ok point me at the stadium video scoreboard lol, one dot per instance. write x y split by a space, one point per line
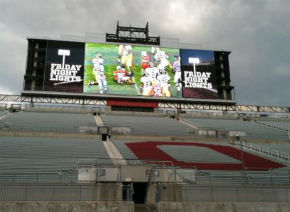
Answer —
126 70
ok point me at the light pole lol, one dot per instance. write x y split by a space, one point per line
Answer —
194 61
63 53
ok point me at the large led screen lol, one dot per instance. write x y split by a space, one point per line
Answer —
131 70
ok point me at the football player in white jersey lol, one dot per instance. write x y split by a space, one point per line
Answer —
126 59
96 66
99 72
162 59
126 56
152 72
177 71
146 85
163 80
157 89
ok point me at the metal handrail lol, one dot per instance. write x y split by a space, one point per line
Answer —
264 150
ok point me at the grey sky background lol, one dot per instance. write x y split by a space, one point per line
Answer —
255 31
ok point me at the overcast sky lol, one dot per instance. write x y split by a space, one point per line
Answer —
255 31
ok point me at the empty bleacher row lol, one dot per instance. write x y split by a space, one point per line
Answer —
148 125
46 121
202 155
278 151
197 154
283 125
43 154
137 124
282 147
214 167
26 155
252 129
38 154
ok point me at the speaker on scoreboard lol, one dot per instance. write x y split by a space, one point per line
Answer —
223 75
36 54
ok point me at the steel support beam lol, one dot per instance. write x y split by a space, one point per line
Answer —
166 105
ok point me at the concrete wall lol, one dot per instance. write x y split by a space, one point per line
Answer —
61 192
223 207
243 198
224 193
66 206
171 192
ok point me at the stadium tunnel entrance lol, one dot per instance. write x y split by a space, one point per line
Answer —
138 192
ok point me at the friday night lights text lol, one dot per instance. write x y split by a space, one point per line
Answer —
66 73
197 81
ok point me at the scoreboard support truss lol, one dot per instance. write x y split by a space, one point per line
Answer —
12 99
51 100
237 108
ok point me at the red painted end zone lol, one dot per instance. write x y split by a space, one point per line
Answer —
149 151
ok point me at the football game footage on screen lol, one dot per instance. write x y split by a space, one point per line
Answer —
130 70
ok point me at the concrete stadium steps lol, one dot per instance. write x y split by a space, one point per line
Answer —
150 125
38 154
253 130
124 150
48 121
3 115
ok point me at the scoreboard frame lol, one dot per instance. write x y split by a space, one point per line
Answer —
34 79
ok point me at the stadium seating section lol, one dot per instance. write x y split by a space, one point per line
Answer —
149 125
253 130
42 154
49 154
47 121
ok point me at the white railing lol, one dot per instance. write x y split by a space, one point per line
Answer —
276 126
264 150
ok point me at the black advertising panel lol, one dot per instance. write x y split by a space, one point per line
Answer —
64 69
198 74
